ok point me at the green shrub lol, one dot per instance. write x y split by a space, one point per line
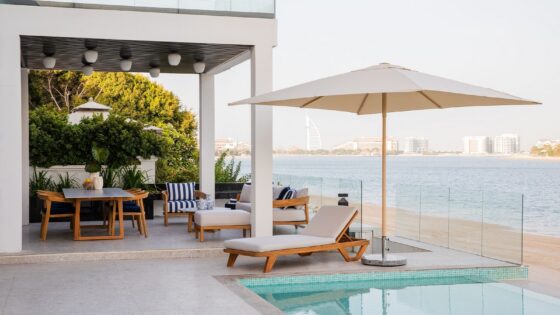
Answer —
132 177
55 142
40 180
228 171
65 181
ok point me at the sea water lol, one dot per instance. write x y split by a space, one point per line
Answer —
500 186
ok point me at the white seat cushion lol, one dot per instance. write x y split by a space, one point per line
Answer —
222 217
278 242
329 221
288 214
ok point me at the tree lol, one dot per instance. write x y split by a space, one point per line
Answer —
131 96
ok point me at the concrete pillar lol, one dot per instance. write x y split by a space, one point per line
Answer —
11 169
25 145
207 134
261 143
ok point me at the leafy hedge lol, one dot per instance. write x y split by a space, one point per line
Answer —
53 141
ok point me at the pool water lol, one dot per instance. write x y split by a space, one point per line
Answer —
449 295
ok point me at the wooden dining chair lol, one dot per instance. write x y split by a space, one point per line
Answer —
54 206
133 207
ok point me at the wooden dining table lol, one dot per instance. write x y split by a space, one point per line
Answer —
106 194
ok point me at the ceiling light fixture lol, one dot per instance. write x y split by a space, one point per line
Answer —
154 72
49 62
91 55
174 59
126 64
199 67
87 69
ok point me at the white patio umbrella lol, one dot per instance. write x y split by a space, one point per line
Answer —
381 89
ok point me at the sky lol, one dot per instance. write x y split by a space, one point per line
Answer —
512 46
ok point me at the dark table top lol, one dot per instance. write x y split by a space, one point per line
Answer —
105 193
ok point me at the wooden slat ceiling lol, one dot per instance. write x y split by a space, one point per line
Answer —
144 54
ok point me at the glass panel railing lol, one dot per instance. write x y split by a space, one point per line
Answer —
408 202
486 223
248 8
502 228
465 220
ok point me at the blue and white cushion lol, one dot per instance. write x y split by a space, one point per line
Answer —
180 191
289 194
181 205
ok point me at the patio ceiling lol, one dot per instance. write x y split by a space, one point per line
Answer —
144 54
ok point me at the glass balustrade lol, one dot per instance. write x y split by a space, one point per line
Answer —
246 8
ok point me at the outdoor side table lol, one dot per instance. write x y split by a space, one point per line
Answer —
106 194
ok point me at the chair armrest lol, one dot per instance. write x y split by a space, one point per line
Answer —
302 201
199 194
165 196
237 197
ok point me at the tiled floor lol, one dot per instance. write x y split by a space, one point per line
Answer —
147 284
171 286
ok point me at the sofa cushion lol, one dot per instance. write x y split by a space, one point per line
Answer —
243 206
245 195
329 221
222 217
181 205
180 191
276 190
277 242
131 206
288 214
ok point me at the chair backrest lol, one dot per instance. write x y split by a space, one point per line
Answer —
180 191
330 221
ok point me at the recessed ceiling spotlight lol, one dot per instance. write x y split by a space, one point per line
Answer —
199 67
126 64
87 69
174 59
154 72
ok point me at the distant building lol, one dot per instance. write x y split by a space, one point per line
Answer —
415 145
550 142
369 145
88 110
225 144
313 136
506 144
477 145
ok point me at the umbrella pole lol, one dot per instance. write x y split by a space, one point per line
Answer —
384 175
383 260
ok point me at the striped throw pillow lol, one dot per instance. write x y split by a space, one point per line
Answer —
180 191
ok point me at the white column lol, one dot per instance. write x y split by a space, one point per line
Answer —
10 143
261 143
25 145
207 134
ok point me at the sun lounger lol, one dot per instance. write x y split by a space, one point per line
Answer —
325 232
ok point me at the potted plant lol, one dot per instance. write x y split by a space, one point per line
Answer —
100 156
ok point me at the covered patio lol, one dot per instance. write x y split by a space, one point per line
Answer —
220 42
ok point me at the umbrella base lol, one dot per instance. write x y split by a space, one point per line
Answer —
388 261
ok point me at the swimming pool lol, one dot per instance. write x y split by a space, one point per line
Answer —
449 292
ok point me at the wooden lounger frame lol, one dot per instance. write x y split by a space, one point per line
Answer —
343 241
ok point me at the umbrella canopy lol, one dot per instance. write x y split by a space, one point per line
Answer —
381 89
361 92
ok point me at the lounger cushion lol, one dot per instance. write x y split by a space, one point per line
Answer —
222 217
278 242
329 221
288 214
